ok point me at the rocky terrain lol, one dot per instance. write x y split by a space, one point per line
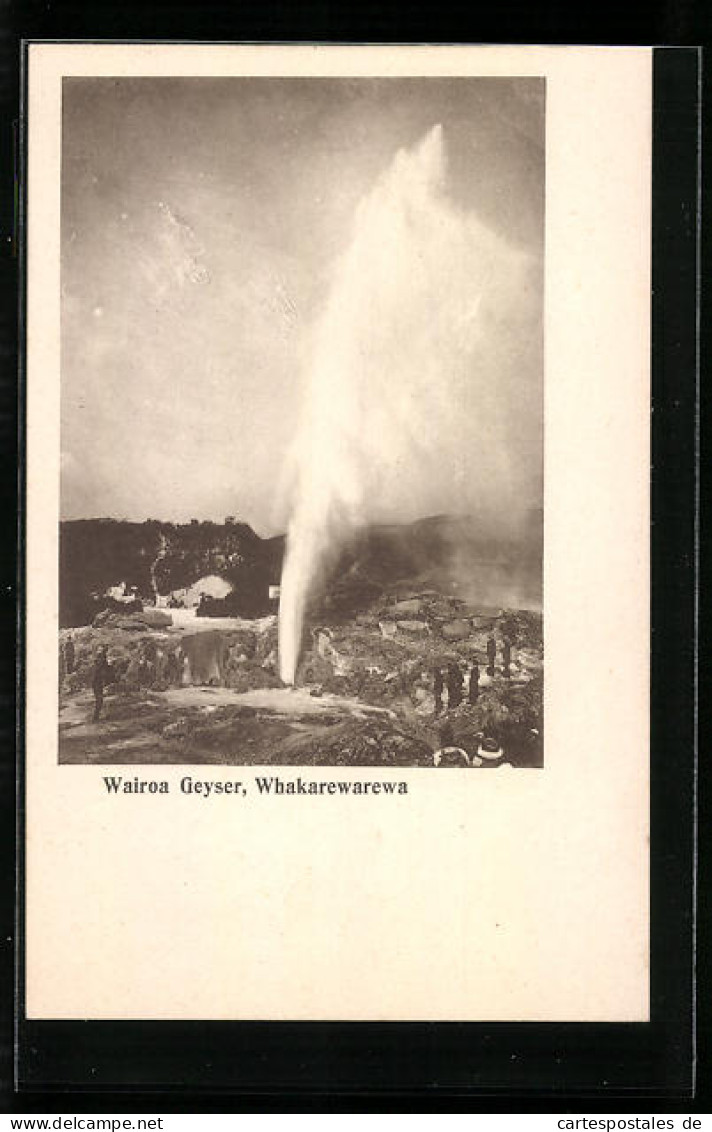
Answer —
202 686
365 695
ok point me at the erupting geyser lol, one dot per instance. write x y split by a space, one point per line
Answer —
411 383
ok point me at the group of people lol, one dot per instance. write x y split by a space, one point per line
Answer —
484 750
159 666
452 680
153 665
102 672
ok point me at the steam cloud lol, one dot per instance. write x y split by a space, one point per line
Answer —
413 400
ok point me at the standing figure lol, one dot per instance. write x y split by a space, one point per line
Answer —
454 685
161 669
69 654
447 737
147 664
438 690
506 657
491 655
173 667
144 678
101 677
473 689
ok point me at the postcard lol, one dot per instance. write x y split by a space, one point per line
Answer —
338 391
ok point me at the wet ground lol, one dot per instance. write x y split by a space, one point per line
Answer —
365 694
266 726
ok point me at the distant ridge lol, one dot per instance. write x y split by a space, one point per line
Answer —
473 552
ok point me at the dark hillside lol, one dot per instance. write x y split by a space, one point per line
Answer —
158 558
460 554
97 553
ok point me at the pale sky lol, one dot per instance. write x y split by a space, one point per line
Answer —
201 221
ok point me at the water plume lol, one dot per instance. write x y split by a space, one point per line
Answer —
412 402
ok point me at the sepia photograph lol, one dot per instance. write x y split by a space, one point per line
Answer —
301 381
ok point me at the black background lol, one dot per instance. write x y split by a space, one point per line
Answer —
262 1067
